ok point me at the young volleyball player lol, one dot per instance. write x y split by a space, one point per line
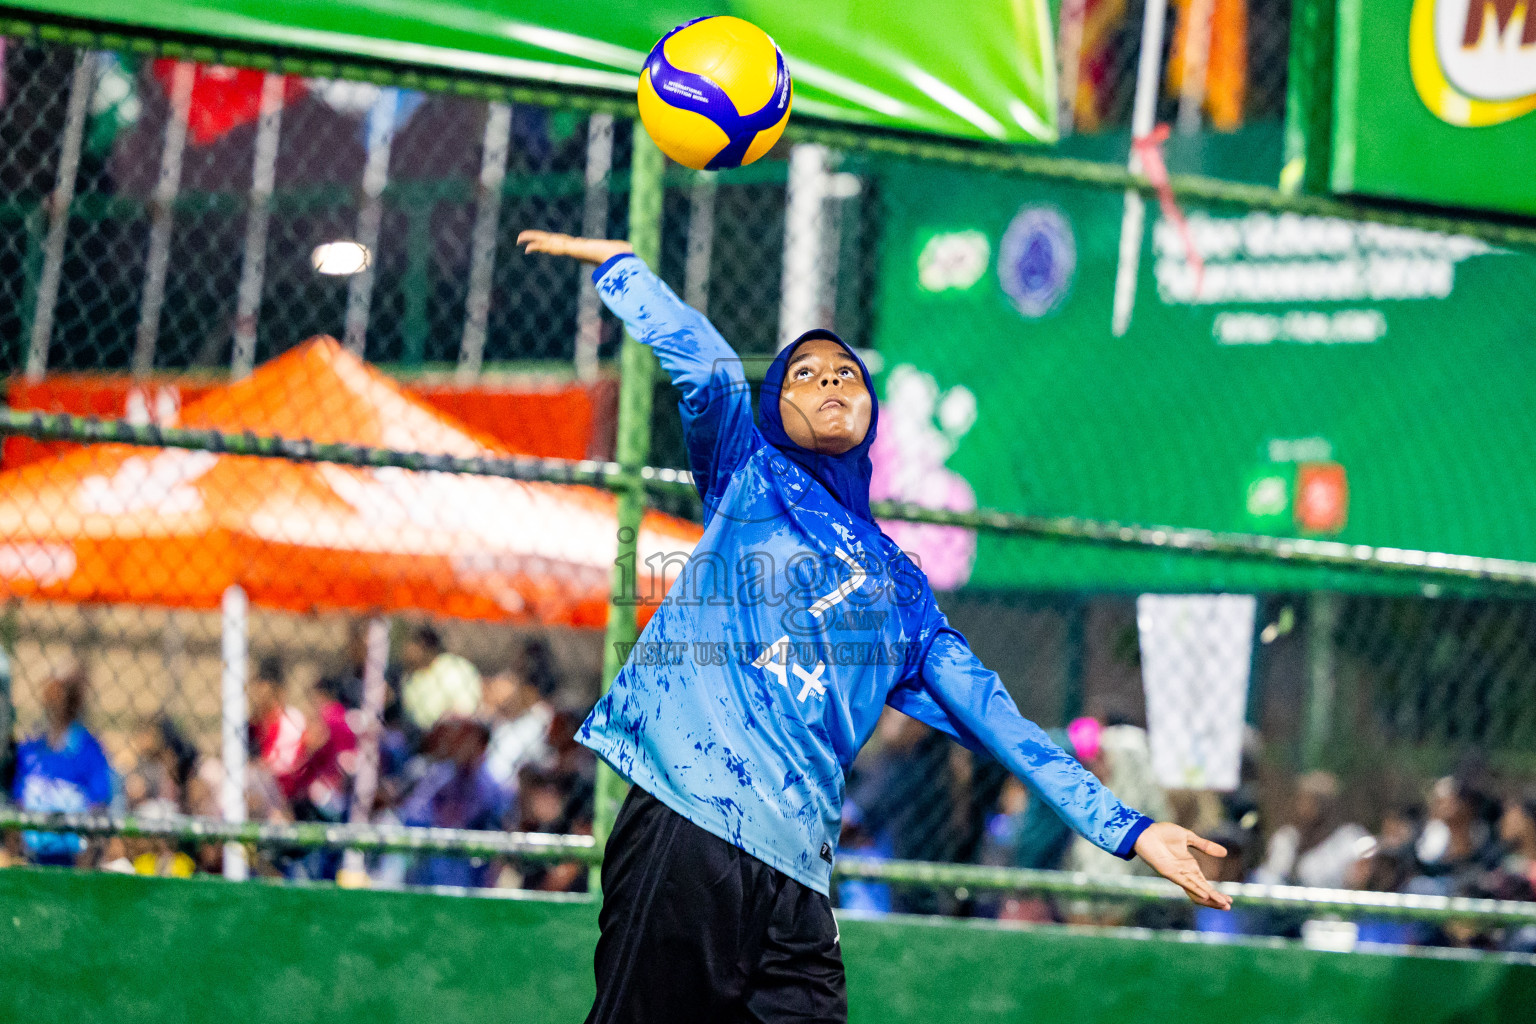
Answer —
795 622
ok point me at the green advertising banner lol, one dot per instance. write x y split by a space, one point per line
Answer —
1435 101
983 69
1315 377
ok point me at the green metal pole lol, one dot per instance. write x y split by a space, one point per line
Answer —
636 366
36 226
1309 98
7 704
1322 686
418 281
1076 660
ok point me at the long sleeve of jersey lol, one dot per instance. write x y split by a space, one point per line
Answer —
716 404
956 694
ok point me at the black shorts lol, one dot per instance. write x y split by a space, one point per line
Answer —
695 931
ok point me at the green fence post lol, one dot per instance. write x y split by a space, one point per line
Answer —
633 444
7 704
1075 661
1318 731
417 283
1309 98
35 224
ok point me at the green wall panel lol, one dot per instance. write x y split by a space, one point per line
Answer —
78 947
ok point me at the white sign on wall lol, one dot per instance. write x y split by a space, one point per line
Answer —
1196 654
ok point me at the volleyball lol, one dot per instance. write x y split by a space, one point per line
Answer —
715 93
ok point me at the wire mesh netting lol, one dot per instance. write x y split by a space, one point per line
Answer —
217 247
236 250
1225 62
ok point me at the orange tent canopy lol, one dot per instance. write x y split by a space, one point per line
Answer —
115 523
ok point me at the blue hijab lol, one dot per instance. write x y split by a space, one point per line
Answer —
847 475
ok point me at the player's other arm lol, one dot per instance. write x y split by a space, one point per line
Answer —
716 402
953 692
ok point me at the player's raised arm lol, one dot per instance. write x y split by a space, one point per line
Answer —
955 693
716 402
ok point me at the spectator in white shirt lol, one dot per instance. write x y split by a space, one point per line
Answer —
517 704
1317 848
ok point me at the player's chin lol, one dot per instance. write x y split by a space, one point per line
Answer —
836 437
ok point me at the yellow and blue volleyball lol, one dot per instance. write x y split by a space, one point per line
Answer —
715 93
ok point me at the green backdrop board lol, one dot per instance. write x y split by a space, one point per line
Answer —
1320 378
983 69
1435 101
80 948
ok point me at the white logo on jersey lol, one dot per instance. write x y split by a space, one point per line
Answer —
848 586
775 659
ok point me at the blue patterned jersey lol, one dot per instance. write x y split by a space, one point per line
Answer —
793 624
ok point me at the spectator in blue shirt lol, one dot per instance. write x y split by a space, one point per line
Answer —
456 792
61 769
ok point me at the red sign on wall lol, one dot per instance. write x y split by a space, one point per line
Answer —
1322 497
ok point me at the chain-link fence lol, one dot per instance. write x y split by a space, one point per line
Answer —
1224 62
232 249
178 235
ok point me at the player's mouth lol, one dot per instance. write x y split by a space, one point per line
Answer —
832 403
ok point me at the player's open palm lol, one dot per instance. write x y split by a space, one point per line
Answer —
589 250
1166 848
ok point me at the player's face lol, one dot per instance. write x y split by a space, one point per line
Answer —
824 403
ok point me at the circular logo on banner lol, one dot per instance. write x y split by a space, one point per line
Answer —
1036 260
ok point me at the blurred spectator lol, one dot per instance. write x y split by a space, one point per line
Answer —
164 761
1316 847
554 786
7 735
397 738
352 681
277 727
202 800
519 717
1400 828
1000 843
1384 867
455 792
864 895
517 704
554 800
318 786
1457 843
159 858
439 683
913 797
1515 877
62 768
1027 833
1013 833
1517 832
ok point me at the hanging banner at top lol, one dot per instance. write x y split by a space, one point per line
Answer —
1435 101
979 70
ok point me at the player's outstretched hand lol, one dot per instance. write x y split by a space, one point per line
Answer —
590 250
1165 847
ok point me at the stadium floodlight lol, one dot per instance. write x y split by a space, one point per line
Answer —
342 258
